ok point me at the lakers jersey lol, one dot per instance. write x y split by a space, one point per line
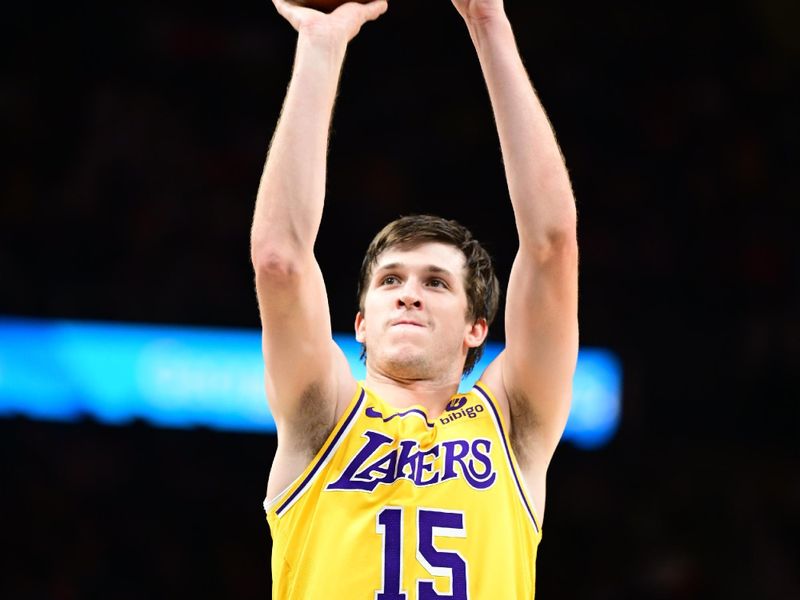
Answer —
399 506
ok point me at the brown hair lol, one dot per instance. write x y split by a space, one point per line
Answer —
480 281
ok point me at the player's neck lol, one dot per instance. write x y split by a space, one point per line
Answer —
431 394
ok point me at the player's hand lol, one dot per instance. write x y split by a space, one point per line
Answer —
339 26
476 11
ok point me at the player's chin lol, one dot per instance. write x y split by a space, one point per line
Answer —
409 363
405 349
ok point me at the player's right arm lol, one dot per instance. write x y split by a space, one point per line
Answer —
307 377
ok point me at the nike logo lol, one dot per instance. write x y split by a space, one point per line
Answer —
374 414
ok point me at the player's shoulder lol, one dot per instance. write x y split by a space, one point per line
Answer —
491 380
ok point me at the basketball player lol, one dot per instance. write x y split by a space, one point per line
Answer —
399 487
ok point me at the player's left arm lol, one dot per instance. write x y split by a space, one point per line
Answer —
533 376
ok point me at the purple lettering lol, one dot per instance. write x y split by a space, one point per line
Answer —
407 458
347 481
371 467
385 467
455 451
422 467
486 478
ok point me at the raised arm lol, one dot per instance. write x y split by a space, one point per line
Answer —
307 377
533 376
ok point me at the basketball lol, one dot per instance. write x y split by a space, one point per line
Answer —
324 5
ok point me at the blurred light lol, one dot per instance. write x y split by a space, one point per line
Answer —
191 376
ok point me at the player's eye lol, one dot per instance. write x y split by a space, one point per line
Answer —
437 283
389 280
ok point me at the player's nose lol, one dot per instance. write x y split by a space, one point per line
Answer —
409 301
409 297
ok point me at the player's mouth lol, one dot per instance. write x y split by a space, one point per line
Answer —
407 322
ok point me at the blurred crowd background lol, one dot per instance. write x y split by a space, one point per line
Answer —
134 137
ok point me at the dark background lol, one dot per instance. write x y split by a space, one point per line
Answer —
135 135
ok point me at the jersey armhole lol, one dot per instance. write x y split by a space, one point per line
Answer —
485 394
286 498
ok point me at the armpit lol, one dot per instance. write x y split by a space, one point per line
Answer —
522 428
313 421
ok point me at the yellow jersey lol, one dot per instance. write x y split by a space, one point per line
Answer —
398 506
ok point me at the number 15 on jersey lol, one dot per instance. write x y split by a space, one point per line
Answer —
430 524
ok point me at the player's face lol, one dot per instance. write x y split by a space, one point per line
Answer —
415 321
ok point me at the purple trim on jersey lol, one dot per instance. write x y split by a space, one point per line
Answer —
374 414
508 454
322 459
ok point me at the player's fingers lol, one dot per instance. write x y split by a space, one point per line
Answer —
367 12
291 12
376 8
282 7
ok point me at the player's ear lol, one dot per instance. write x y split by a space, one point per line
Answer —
360 327
477 332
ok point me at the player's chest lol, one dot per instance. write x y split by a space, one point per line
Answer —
412 451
